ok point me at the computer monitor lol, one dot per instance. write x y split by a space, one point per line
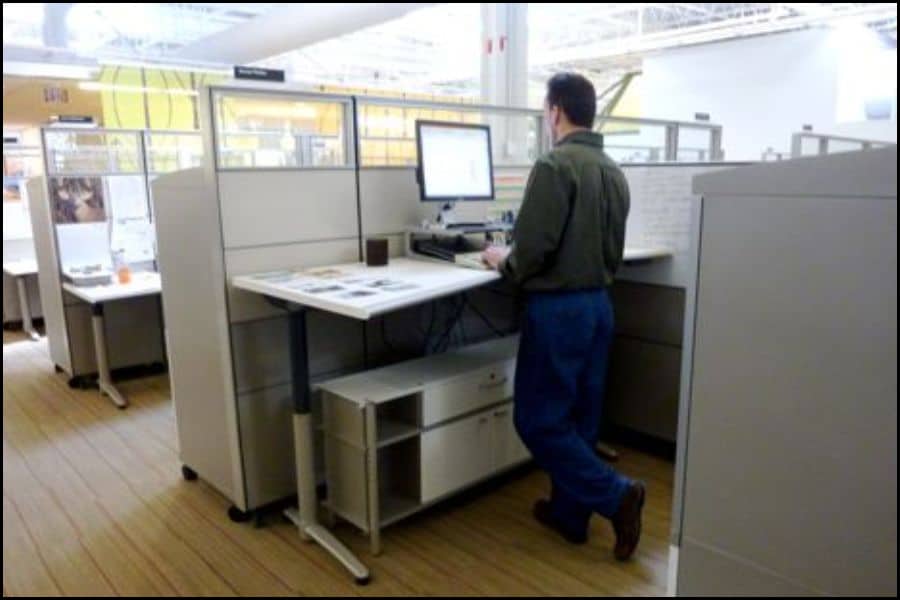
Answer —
454 161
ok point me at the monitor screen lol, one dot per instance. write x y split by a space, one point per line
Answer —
454 161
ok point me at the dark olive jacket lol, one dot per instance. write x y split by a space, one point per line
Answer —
570 232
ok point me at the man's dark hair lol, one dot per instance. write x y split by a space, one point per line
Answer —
575 94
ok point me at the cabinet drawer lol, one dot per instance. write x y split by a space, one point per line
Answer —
462 395
456 455
508 447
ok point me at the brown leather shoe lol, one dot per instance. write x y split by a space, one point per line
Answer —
627 521
544 516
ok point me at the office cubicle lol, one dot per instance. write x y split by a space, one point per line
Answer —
281 187
22 160
93 200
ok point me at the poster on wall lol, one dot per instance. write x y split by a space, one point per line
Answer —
77 200
12 191
13 166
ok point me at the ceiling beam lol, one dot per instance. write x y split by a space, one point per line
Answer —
290 27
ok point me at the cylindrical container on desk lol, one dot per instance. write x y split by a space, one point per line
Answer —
376 252
123 271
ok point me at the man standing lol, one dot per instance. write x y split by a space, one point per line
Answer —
568 243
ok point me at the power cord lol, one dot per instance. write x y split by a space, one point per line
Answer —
486 321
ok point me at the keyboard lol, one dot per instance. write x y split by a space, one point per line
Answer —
464 225
470 260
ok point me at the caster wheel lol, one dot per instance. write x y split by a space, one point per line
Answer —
239 516
75 383
188 473
363 580
57 368
258 521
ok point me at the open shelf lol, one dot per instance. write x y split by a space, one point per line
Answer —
392 432
398 480
396 508
398 419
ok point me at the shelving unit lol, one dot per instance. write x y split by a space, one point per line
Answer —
441 424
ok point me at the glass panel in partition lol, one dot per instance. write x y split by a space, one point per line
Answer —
19 163
260 131
693 144
631 142
93 152
167 152
387 133
836 146
809 146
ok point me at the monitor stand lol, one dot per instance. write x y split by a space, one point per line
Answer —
446 216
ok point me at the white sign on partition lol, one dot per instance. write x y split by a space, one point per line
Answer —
661 200
136 238
127 197
83 244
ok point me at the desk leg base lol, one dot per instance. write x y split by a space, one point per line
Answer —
326 540
25 309
113 394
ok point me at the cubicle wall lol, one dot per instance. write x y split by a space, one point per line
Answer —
288 196
650 301
271 221
790 477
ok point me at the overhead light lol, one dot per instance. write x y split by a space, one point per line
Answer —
181 67
48 70
99 86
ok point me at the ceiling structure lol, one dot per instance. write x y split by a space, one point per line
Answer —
434 50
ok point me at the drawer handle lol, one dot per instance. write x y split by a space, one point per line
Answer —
483 420
493 384
501 413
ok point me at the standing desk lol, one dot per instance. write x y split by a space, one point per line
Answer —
142 284
19 270
360 292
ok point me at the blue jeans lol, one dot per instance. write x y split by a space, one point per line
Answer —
560 378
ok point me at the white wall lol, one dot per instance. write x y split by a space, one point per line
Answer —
761 90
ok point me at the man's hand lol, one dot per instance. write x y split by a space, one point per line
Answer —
494 255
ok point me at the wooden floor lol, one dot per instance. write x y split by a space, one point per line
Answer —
94 504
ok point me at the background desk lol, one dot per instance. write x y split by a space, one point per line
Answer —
19 270
142 284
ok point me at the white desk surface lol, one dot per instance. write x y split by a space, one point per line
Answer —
18 268
142 284
360 292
